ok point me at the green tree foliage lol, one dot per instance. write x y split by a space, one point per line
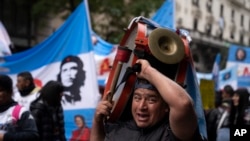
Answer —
110 17
41 8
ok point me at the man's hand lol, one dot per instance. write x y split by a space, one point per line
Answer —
1 136
103 109
144 66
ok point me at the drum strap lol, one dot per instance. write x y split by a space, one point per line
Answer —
127 74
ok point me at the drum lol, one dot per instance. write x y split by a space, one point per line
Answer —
165 49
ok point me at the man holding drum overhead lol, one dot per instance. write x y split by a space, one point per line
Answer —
161 109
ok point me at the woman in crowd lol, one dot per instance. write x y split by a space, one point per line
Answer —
240 103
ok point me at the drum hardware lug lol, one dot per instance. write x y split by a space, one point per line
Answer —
139 53
142 41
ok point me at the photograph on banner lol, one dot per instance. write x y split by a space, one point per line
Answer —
78 88
240 56
228 76
82 131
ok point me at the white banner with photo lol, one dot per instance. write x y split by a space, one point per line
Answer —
240 56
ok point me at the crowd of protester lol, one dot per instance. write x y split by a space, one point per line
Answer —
232 109
33 113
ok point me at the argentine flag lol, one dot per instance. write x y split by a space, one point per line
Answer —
164 16
215 71
71 44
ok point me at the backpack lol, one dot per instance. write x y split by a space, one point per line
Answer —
15 112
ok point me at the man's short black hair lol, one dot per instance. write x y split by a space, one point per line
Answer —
6 83
26 75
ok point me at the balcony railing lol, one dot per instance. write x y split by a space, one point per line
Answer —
241 3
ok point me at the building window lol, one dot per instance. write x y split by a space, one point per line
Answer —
241 38
208 28
209 6
179 22
232 35
195 25
232 15
220 33
195 3
221 10
18 20
249 26
221 27
232 30
242 20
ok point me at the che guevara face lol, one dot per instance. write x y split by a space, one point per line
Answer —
68 73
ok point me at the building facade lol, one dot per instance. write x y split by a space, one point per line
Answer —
213 26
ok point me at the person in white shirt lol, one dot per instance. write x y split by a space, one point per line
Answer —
28 92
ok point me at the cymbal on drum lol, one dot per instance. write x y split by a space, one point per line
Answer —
166 45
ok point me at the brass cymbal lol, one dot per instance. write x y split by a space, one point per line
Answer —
166 45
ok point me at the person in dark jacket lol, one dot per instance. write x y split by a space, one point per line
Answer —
48 112
218 123
16 122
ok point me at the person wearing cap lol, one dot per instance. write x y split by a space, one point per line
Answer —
72 76
161 110
16 122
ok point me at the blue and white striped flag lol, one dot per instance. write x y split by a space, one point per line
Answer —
215 71
72 44
4 41
164 16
